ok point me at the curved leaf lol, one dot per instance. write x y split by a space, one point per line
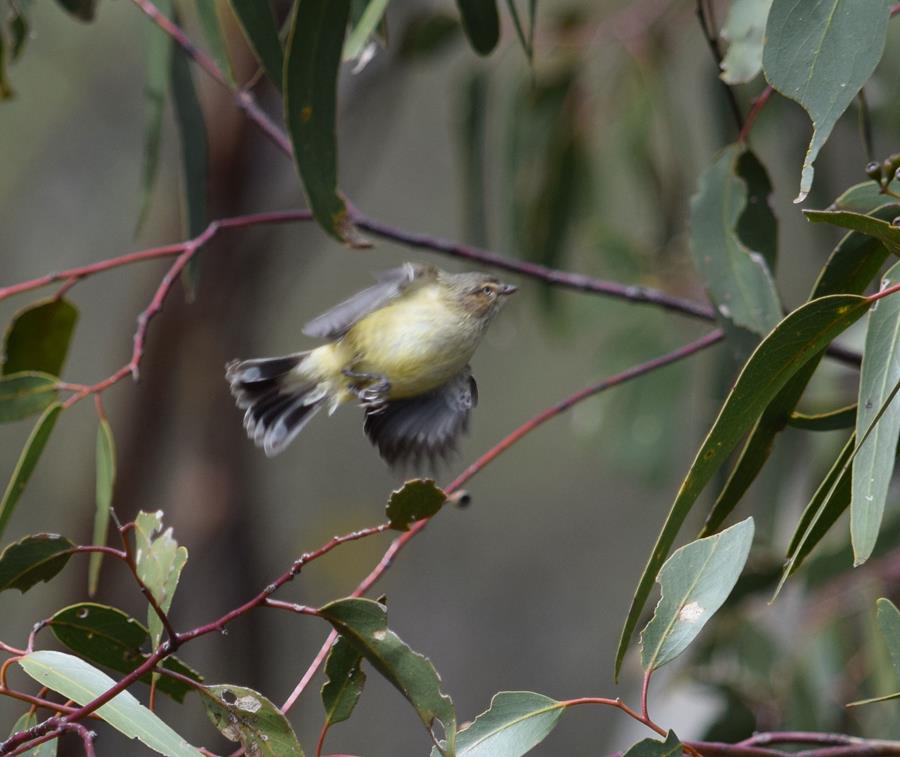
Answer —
415 500
671 747
870 225
105 480
25 394
38 338
159 562
32 559
364 28
258 24
481 22
833 420
815 54
744 30
342 690
82 683
207 12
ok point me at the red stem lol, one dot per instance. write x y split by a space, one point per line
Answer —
645 690
758 104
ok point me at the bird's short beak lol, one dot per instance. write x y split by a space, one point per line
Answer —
508 289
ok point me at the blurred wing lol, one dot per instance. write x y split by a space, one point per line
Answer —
391 284
428 426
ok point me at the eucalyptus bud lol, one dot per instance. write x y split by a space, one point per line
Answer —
874 171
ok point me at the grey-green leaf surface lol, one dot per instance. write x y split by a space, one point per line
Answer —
104 483
32 559
874 462
344 681
819 53
416 500
515 723
159 563
364 624
247 717
311 67
82 683
481 22
797 339
364 29
106 636
257 21
744 30
207 12
27 462
866 197
738 278
869 225
888 617
38 338
671 747
25 394
695 581
24 723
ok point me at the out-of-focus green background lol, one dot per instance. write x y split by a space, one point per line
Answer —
526 588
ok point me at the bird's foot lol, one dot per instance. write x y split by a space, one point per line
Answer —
371 389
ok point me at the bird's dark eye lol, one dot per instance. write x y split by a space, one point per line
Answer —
489 291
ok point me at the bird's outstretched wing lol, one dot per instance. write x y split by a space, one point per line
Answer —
408 430
391 284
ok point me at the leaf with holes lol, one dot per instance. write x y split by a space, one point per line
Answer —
671 747
82 683
105 480
695 582
744 30
38 338
247 717
32 559
344 684
814 56
417 499
159 563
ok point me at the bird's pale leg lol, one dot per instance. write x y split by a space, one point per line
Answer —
371 389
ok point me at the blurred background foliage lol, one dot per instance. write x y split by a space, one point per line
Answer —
586 160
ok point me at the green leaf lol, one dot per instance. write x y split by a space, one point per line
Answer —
6 90
32 559
258 24
874 462
525 38
738 279
28 460
106 636
18 28
417 499
481 22
473 144
24 723
364 29
796 340
744 30
159 562
834 420
814 55
342 690
310 101
695 582
25 394
83 10
515 723
38 338
207 11
889 624
82 683
866 197
671 747
246 716
106 479
427 34
869 225
364 624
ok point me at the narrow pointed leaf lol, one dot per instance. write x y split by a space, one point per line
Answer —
671 747
481 22
870 225
38 338
19 28
77 680
813 55
345 681
744 30
515 723
105 480
246 716
258 24
834 420
33 559
28 460
106 636
874 463
6 90
523 35
364 624
784 352
415 500
207 12
159 563
27 721
314 49
363 30
25 394
695 581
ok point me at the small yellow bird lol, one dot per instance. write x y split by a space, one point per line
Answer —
400 348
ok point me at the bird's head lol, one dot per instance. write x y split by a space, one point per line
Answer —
480 295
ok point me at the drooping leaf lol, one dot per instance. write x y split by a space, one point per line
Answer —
77 680
24 723
314 48
105 480
364 28
38 338
695 581
744 30
738 278
784 352
246 716
345 681
874 463
671 747
515 723
364 624
32 559
813 54
525 36
28 460
869 225
481 22
834 420
415 500
889 624
83 10
18 28
159 562
106 636
258 24
207 12
25 394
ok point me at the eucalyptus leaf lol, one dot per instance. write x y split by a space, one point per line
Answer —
26 394
345 681
833 420
83 10
38 338
889 624
744 30
32 559
671 747
481 22
866 224
105 480
159 562
27 721
258 24
417 499
207 12
361 33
